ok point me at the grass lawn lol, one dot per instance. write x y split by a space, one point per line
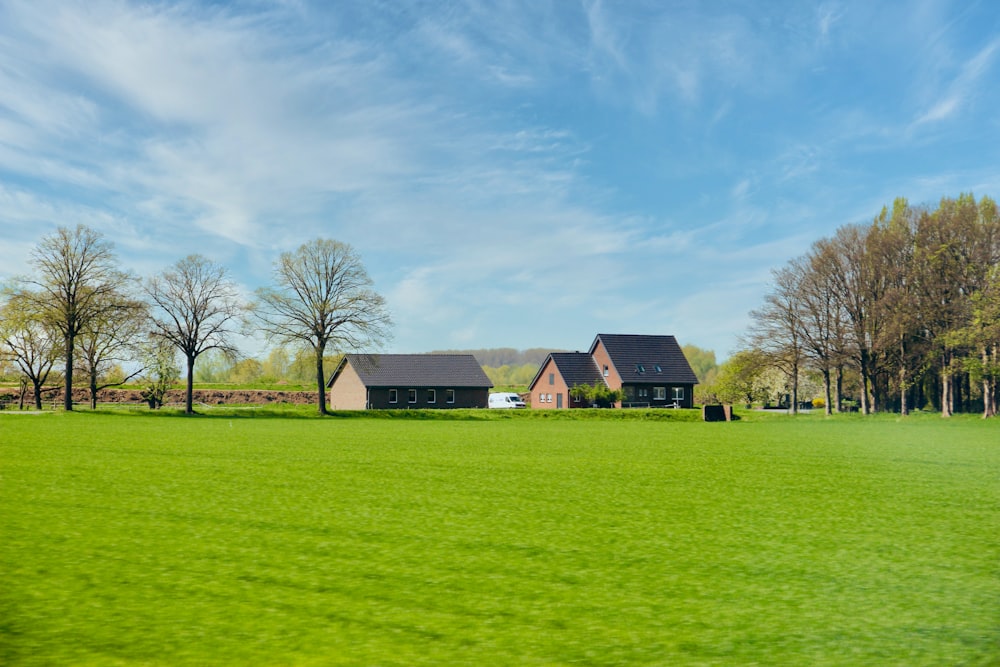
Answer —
128 538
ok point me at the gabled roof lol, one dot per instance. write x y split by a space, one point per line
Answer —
415 370
574 367
647 359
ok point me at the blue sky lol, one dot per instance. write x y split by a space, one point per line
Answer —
513 174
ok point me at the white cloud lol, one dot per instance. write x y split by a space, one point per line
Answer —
965 85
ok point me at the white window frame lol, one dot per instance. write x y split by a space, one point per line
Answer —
393 396
432 396
678 393
412 396
449 395
659 393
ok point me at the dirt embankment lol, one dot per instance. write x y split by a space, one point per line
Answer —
173 397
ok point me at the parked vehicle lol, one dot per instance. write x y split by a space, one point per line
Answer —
505 399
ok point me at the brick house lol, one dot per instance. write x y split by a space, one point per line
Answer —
560 372
652 370
408 381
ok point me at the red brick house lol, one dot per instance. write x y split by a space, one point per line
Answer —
652 370
560 372
408 381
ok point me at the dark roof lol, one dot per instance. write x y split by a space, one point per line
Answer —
647 359
416 370
575 368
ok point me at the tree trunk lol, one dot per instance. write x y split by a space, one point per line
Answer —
189 398
827 393
966 392
989 402
865 380
68 398
946 387
795 389
904 408
93 391
38 394
320 380
840 389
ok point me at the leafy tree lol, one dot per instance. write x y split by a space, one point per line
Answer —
983 335
323 296
31 344
246 371
159 370
702 361
598 394
195 308
213 366
740 378
77 271
277 365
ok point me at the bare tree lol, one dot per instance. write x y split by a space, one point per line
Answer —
776 328
77 270
109 340
323 297
824 323
32 345
195 306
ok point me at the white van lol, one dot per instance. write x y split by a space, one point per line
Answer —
506 400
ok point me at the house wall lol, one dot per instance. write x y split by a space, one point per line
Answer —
633 395
543 389
603 361
469 397
348 392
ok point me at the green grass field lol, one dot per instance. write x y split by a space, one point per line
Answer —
128 538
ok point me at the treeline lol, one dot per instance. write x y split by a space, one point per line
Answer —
79 309
506 367
899 314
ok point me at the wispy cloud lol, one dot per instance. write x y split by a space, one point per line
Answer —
957 94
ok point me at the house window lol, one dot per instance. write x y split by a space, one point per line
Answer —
552 378
548 398
605 370
449 395
640 369
432 395
393 396
659 393
643 392
678 393
659 369
413 395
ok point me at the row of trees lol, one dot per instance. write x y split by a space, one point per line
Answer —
81 308
909 305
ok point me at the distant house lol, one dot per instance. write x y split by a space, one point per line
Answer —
408 381
652 371
560 372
